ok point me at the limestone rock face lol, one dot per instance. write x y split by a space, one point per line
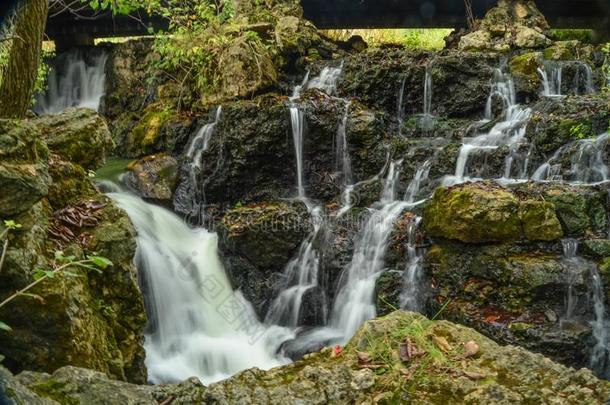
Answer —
89 320
24 177
466 368
79 135
512 24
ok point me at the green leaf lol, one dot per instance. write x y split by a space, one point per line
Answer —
100 261
59 255
5 327
49 274
39 273
10 224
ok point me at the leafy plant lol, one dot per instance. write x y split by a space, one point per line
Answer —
62 266
580 131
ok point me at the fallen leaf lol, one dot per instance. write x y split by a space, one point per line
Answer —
336 351
470 349
363 357
442 343
473 375
408 350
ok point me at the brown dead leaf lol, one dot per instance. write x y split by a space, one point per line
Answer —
473 375
442 343
408 350
363 358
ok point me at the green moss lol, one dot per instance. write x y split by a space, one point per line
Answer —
539 220
526 65
147 132
53 390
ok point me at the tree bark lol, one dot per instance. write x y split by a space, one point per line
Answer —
19 75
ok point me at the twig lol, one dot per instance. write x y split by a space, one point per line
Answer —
4 247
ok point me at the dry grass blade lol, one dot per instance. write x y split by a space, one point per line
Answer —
408 350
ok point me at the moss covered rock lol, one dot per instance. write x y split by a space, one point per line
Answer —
539 220
446 363
473 213
24 177
79 135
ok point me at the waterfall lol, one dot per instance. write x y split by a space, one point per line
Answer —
510 132
600 354
190 195
301 273
297 122
421 176
410 296
77 79
587 162
573 262
584 75
400 113
551 86
198 326
343 163
355 301
300 276
427 117
326 80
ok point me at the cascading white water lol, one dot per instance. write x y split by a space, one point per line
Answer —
600 354
427 117
410 296
198 325
400 112
421 176
508 132
570 247
551 82
190 196
77 80
326 80
587 162
584 75
355 302
343 163
301 274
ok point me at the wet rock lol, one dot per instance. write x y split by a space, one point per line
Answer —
24 177
506 292
251 153
153 177
473 213
387 291
524 69
70 185
266 234
376 76
597 248
539 220
159 129
79 135
294 36
554 122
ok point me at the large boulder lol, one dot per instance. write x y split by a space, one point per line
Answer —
473 213
402 358
79 135
24 177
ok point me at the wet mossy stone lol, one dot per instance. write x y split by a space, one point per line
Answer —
473 213
539 220
153 177
147 132
387 290
597 248
24 177
79 135
571 208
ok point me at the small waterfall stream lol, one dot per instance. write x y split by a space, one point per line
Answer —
76 80
302 272
355 301
198 326
509 132
551 76
190 195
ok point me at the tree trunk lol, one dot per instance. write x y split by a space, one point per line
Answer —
19 75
